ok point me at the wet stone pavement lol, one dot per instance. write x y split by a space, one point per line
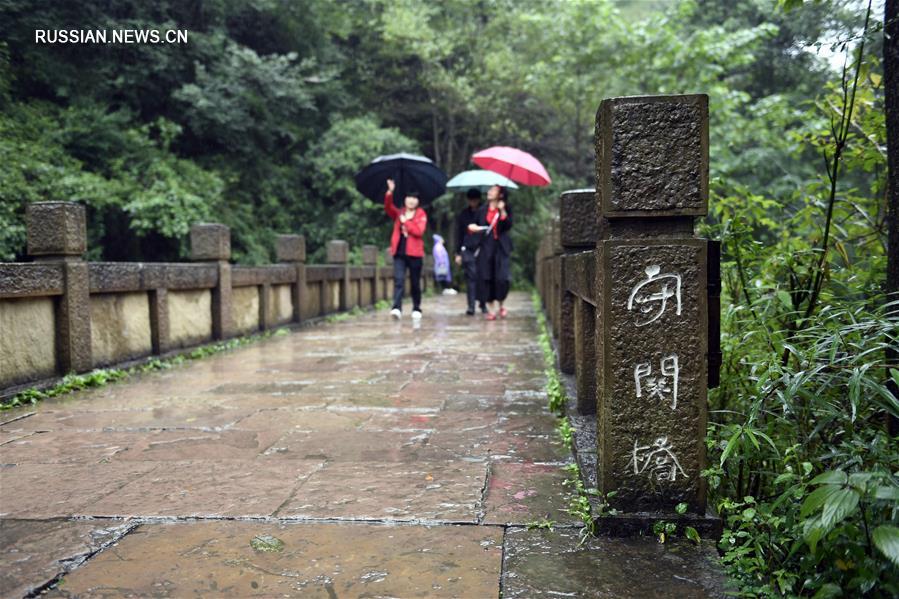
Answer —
359 458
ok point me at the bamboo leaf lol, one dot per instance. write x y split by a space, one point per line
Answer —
731 445
831 477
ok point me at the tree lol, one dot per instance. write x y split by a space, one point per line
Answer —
891 112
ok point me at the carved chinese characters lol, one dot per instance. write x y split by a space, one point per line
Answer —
652 413
662 386
657 460
650 296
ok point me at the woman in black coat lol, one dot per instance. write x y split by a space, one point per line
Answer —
495 253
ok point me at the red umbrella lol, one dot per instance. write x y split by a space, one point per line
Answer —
513 163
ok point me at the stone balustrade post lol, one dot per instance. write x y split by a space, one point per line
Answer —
545 254
555 276
580 230
427 272
388 274
211 242
652 181
338 252
292 250
370 258
57 232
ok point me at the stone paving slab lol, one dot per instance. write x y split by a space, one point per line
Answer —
304 560
8 436
542 563
495 445
527 494
288 420
204 489
60 490
351 446
34 552
392 491
171 417
154 445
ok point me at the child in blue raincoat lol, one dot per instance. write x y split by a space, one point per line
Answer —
443 275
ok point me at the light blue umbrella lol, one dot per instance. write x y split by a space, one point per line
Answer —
483 180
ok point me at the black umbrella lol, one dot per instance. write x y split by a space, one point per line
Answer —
409 172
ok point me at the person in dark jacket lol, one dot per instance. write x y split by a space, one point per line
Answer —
495 251
467 243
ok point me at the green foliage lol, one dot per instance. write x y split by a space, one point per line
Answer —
564 430
136 180
331 163
578 502
804 464
343 316
541 524
555 391
261 120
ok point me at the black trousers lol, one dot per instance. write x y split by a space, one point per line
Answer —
400 264
470 267
494 273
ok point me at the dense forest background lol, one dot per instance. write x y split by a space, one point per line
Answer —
262 118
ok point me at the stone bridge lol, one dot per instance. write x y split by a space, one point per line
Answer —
356 456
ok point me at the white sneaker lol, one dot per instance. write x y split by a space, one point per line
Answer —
416 315
450 291
397 314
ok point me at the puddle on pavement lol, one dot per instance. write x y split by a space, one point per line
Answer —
542 563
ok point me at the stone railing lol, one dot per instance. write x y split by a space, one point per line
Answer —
61 314
632 296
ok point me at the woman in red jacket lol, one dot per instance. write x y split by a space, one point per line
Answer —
407 248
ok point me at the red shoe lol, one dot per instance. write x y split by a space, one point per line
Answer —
490 316
503 312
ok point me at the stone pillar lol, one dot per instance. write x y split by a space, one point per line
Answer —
266 319
159 320
585 356
555 307
652 181
578 232
292 249
370 258
338 252
538 275
57 232
543 282
211 242
388 275
427 272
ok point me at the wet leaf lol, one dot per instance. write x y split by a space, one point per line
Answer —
692 534
828 590
816 499
838 506
886 539
267 544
